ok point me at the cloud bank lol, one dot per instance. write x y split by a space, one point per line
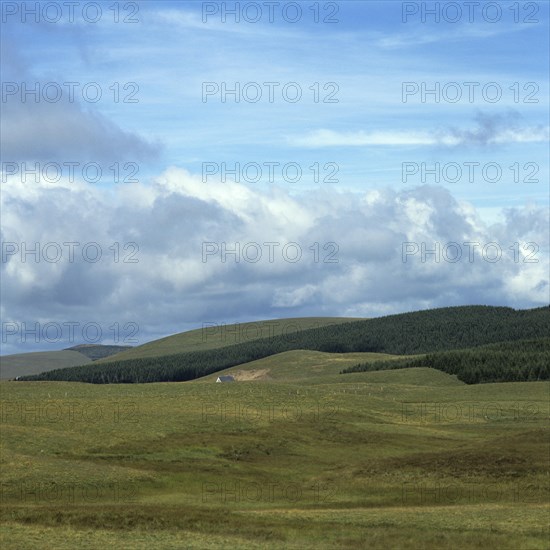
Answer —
354 257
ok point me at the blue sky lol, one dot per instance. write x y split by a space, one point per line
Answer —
170 131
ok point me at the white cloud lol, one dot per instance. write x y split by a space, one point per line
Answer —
453 137
330 138
294 297
420 34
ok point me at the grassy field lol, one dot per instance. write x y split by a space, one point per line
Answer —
213 335
391 459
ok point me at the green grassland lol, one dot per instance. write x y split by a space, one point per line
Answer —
302 458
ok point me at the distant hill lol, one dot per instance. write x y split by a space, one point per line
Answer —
25 364
419 332
97 351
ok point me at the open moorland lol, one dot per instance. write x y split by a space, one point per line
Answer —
293 454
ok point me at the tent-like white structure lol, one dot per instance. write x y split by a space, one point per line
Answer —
227 378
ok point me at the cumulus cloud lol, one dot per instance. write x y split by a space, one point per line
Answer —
324 253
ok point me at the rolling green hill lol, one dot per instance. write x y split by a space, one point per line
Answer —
214 336
317 367
298 365
420 332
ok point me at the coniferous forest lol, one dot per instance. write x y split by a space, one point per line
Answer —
522 360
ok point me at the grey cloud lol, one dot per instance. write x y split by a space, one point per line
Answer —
66 132
489 129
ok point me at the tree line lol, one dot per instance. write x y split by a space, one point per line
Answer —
523 360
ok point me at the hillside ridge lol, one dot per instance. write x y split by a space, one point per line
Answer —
427 331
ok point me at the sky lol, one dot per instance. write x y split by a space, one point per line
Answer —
171 165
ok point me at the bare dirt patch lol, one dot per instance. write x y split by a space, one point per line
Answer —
257 374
